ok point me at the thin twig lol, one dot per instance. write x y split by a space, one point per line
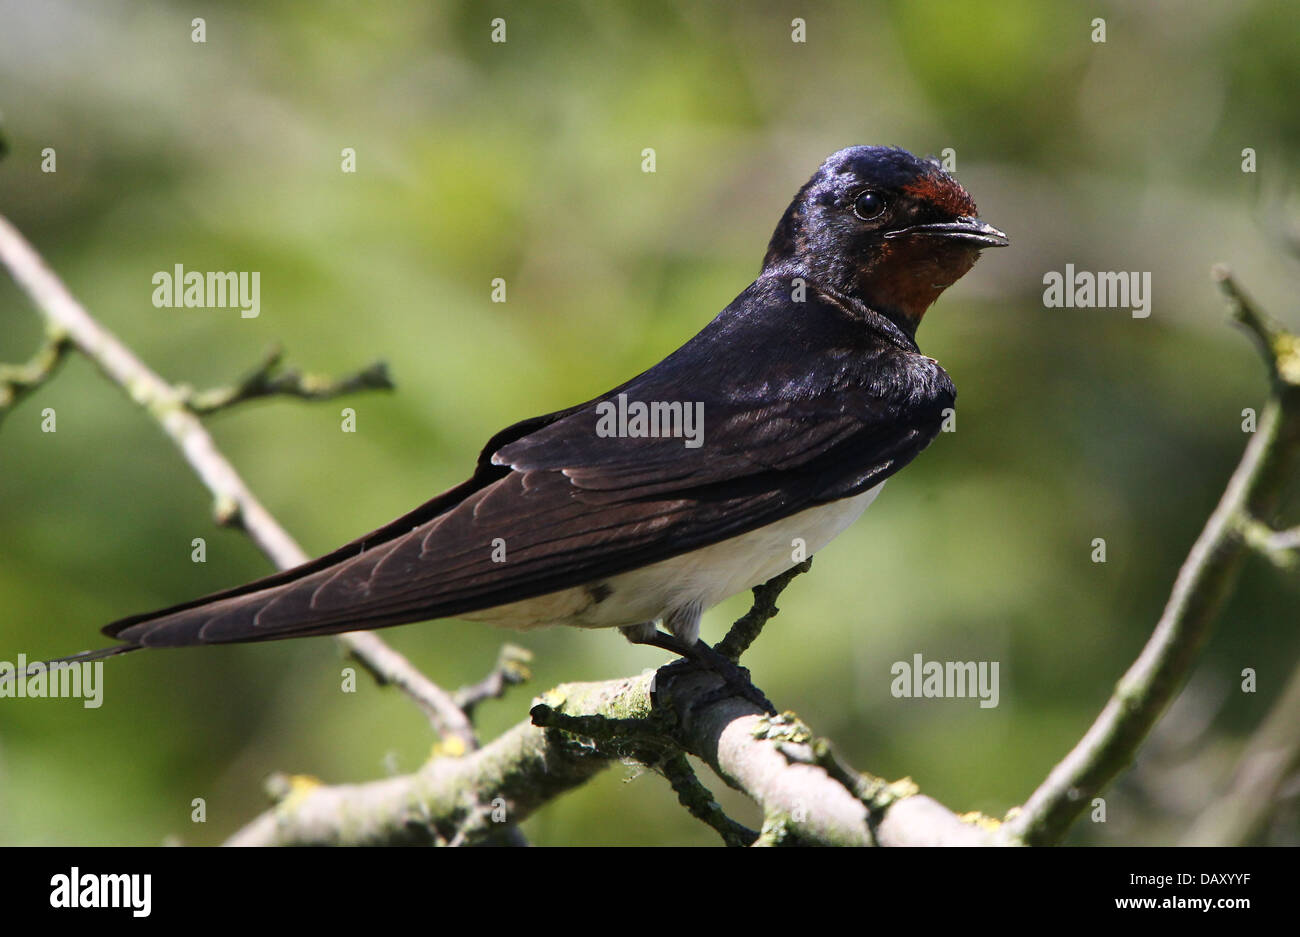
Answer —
19 380
699 802
264 381
234 503
1285 539
1245 313
748 627
1278 547
511 669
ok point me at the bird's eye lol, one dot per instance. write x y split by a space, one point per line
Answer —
870 205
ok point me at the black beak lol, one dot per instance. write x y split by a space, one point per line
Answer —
963 229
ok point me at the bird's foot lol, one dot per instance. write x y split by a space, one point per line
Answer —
735 679
700 656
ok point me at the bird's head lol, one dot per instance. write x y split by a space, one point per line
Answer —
878 224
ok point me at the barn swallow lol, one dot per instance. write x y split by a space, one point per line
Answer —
804 395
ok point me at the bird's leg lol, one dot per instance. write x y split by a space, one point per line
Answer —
700 656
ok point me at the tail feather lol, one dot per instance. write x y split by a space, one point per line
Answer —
9 675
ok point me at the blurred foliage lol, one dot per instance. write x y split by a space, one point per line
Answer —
522 160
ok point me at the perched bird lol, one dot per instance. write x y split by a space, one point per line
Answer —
758 441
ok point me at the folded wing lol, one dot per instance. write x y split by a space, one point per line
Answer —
798 409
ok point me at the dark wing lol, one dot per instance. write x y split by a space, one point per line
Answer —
802 403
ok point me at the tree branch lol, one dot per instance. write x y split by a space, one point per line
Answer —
462 800
577 729
1202 585
234 504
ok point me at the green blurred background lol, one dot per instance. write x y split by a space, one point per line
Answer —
523 160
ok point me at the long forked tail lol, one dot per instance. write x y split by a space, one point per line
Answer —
10 674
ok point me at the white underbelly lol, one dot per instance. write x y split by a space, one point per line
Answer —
705 576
